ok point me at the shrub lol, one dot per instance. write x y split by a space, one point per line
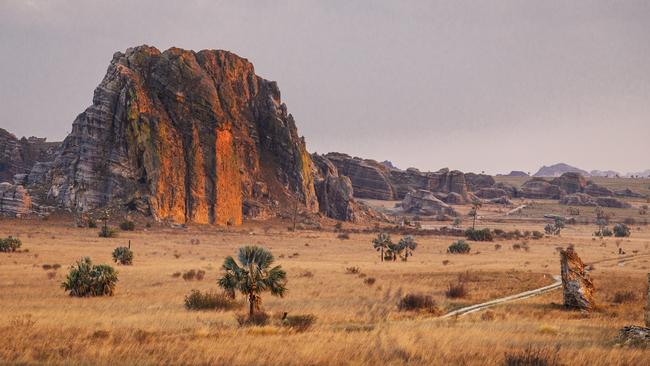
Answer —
497 246
412 302
456 290
532 357
107 232
194 275
123 255
92 224
127 226
621 230
604 232
624 296
479 234
10 244
459 247
299 323
353 270
343 236
369 281
258 318
198 300
537 234
87 279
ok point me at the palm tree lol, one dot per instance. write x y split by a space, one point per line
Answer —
394 250
252 276
476 204
382 243
407 243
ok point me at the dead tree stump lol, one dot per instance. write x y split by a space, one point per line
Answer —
576 282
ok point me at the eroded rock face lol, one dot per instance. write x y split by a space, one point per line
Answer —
423 202
628 193
18 156
578 199
334 192
185 136
490 193
478 181
576 282
596 190
570 182
369 178
612 202
14 200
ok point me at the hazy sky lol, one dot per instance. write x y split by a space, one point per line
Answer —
472 85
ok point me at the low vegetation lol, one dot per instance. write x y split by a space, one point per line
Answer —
87 279
123 256
10 244
556 227
107 232
621 230
198 300
479 234
459 247
417 302
127 225
456 290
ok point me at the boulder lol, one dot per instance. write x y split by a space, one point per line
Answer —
478 181
501 201
596 190
453 198
539 188
571 182
423 202
633 335
490 193
628 193
612 202
578 289
512 190
14 200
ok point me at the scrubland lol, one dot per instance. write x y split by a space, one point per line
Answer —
357 322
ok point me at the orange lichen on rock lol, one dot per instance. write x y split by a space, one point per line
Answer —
228 194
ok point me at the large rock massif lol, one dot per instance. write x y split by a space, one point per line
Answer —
18 156
185 137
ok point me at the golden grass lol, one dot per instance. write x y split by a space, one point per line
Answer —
145 323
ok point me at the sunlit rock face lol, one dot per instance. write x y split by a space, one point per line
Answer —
183 136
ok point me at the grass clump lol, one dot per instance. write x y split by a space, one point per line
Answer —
459 247
479 234
127 225
10 244
456 290
194 275
257 319
198 300
419 302
353 270
107 232
532 357
87 279
298 323
623 297
123 255
621 230
92 224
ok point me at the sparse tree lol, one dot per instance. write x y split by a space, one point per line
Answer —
381 243
253 276
408 245
473 213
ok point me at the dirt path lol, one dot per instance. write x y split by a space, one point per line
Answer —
531 293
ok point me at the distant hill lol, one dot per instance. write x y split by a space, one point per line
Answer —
605 173
643 174
514 173
556 170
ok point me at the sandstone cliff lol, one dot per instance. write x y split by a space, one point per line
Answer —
183 136
18 156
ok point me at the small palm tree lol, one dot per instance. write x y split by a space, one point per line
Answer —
407 244
382 243
476 204
394 250
252 276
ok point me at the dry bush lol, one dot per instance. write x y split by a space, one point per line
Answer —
194 275
198 300
412 302
369 281
298 323
176 274
456 290
352 270
624 296
258 319
107 232
532 357
343 236
445 262
127 226
10 244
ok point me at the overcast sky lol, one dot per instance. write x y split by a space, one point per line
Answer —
473 85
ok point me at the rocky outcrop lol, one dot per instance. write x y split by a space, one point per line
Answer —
334 192
570 182
184 136
596 190
423 202
633 335
14 200
18 156
501 201
514 173
576 283
478 181
578 199
369 178
509 188
612 202
539 188
628 193
490 193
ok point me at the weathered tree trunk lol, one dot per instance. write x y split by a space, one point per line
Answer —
576 283
251 301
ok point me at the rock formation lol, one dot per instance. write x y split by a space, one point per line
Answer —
576 282
539 188
184 136
18 156
370 179
478 181
628 193
423 202
570 182
578 199
490 193
334 191
596 190
557 170
14 200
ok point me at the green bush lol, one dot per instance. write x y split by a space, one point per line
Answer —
127 226
10 244
621 230
123 255
479 234
198 300
107 232
87 279
459 247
